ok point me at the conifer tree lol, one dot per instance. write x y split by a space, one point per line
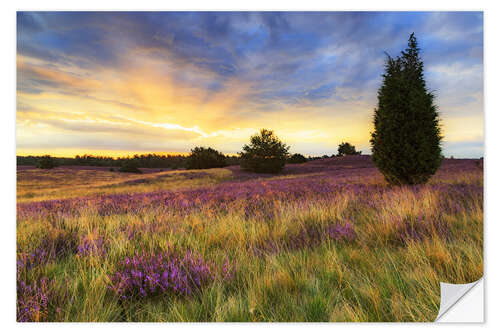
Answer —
406 142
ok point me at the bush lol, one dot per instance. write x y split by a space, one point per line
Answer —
46 162
345 148
130 165
205 158
297 159
406 143
265 154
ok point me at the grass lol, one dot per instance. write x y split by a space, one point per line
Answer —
65 182
286 267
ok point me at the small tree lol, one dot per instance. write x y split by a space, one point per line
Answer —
130 165
265 154
345 148
406 142
297 159
205 158
46 162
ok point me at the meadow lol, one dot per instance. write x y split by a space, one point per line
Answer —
327 240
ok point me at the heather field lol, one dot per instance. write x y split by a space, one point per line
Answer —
328 240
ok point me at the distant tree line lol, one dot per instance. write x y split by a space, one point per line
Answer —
345 148
138 161
265 154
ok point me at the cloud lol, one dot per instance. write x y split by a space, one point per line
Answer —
200 73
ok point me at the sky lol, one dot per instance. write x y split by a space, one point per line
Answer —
119 83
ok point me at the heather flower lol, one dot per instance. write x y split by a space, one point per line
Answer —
129 230
258 196
53 246
341 232
163 273
418 229
36 301
60 243
312 235
259 208
28 261
315 180
228 270
309 236
92 245
133 230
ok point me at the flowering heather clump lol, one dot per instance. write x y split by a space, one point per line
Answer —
220 198
34 301
341 232
133 230
60 243
310 236
38 257
320 223
130 231
228 271
53 246
168 272
260 208
416 230
92 245
227 195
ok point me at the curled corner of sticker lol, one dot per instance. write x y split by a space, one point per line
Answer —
451 294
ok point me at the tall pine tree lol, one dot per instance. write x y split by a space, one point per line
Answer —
406 142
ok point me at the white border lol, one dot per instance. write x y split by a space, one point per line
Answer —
7 164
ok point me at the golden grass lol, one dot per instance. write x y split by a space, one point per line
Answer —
63 183
370 279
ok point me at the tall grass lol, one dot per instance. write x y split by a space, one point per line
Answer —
274 236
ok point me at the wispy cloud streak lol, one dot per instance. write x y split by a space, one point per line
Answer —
213 78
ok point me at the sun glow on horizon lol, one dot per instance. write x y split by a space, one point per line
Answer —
151 82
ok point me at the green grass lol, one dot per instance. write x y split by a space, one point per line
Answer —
370 279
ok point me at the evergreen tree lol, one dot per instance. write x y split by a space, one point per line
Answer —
406 142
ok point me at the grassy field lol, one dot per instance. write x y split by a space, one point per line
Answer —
327 240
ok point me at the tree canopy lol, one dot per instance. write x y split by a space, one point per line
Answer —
406 141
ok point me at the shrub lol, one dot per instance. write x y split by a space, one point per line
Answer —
406 142
205 158
265 154
297 159
46 162
163 273
345 148
130 165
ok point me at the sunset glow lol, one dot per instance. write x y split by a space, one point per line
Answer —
122 83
